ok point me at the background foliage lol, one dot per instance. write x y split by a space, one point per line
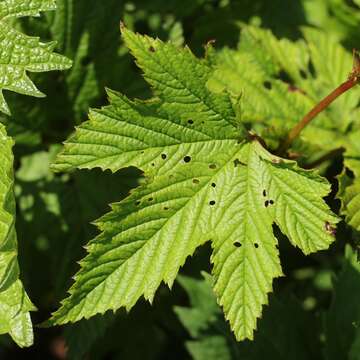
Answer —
314 312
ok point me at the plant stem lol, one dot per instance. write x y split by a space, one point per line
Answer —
317 109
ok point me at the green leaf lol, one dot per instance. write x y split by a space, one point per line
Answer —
299 211
21 53
203 183
277 92
204 310
340 19
211 347
254 73
350 188
14 303
351 205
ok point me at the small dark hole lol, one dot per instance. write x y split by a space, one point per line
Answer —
266 203
237 162
152 49
152 164
237 244
213 185
271 202
190 121
137 202
196 181
256 245
311 68
303 74
166 208
150 199
267 85
163 156
187 159
212 166
285 77
264 192
212 202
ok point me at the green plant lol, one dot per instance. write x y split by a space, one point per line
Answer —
224 156
206 180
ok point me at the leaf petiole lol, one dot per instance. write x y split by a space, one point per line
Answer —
353 79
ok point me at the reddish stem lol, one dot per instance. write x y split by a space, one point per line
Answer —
323 104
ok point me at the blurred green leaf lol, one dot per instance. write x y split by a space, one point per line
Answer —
14 302
21 53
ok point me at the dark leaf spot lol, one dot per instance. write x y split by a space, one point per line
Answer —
271 202
166 208
137 202
237 244
213 185
163 156
196 181
256 245
190 121
187 159
330 229
264 193
267 85
303 74
152 49
152 164
212 202
266 203
311 68
237 162
212 166
150 199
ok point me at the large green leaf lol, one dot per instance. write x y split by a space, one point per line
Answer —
20 53
14 303
203 183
